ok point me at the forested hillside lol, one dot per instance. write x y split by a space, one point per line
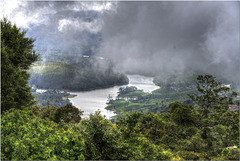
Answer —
59 75
172 123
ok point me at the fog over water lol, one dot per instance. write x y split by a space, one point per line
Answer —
91 101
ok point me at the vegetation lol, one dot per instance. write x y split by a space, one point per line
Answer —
60 75
201 129
213 94
37 134
52 98
26 136
130 99
17 55
192 133
176 81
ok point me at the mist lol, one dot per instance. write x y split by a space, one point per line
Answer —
151 38
173 37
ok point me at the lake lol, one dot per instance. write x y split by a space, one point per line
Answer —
91 101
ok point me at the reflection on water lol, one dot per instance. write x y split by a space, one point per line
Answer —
91 101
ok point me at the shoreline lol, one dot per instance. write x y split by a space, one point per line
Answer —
85 90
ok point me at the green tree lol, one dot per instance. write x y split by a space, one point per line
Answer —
137 130
103 140
17 55
181 114
213 102
47 112
68 114
25 136
212 94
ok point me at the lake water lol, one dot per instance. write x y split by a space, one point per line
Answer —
91 101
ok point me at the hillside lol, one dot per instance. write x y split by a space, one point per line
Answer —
60 75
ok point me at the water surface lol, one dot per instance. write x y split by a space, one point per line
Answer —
91 101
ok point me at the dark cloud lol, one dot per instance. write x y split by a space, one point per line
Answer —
173 37
140 37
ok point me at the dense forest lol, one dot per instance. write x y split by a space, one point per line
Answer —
176 122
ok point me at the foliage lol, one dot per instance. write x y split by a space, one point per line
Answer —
187 142
190 134
103 140
209 131
47 112
141 148
52 98
139 131
65 115
24 136
125 90
181 114
230 153
17 55
68 114
213 93
157 101
190 155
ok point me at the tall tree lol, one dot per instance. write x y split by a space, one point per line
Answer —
213 101
17 55
213 94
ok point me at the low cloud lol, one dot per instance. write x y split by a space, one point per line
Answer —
173 37
139 37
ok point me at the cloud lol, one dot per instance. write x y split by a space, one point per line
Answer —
173 37
78 25
139 37
70 27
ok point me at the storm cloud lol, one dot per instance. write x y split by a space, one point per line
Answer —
173 37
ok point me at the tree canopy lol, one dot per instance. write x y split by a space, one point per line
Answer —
17 55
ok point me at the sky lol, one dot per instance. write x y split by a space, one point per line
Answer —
66 26
139 37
